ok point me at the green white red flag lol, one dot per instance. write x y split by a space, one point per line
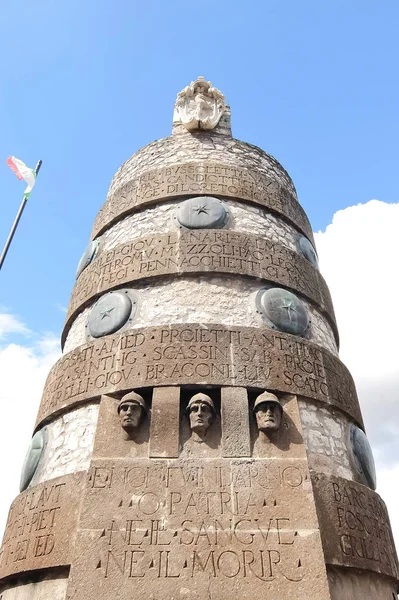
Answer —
22 172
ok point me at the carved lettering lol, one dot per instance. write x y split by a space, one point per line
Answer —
355 526
200 251
40 526
190 354
201 178
181 520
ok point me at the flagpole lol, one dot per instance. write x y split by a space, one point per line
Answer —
17 218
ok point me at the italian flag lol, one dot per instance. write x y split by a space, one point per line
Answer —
22 172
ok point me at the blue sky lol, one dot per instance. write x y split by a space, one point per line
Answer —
85 84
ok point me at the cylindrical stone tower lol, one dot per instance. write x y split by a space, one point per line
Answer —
200 438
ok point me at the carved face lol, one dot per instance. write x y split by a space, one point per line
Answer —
201 417
130 414
268 416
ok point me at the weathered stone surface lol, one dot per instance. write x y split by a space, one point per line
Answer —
212 251
70 444
325 431
199 354
160 218
165 420
195 178
41 526
198 529
188 299
37 587
354 525
201 146
353 584
235 419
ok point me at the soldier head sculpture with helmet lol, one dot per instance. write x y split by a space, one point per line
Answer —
268 412
201 412
132 410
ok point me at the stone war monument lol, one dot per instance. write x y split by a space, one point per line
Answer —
199 439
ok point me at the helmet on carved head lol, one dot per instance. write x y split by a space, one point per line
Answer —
267 397
134 398
204 398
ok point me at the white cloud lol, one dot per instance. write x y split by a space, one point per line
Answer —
10 324
61 308
358 255
23 370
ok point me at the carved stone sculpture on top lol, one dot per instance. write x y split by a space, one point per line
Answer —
268 412
131 409
201 411
199 105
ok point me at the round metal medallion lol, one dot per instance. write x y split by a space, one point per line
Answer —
32 458
87 257
306 249
201 212
110 313
283 310
363 456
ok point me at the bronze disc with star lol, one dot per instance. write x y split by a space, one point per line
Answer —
362 456
109 314
87 257
201 212
32 458
283 310
306 249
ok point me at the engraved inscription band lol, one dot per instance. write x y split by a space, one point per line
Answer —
354 525
199 354
41 526
212 251
196 178
225 526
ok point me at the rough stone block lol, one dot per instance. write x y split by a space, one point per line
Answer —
354 525
235 422
199 529
165 419
36 587
353 584
41 526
